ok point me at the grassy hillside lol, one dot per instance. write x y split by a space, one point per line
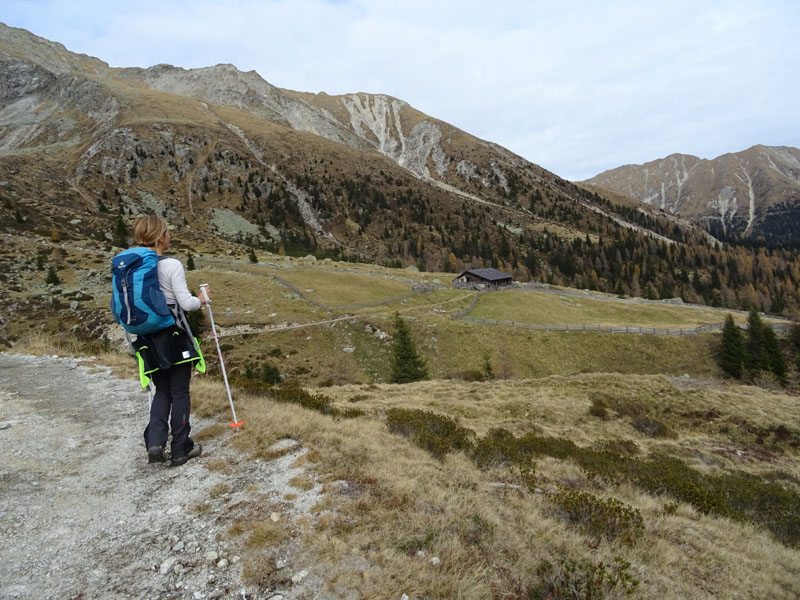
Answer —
320 323
617 465
425 473
567 309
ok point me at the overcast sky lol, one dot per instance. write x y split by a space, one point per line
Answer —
577 87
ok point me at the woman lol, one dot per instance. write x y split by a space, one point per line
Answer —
172 350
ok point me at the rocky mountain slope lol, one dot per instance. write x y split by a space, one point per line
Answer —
236 158
753 193
237 163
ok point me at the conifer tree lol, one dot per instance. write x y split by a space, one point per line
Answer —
731 354
52 276
772 349
190 263
407 366
120 237
756 355
488 371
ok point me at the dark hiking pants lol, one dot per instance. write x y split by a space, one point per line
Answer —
172 395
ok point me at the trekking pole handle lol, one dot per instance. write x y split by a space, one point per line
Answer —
204 291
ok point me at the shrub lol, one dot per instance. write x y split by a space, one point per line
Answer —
598 408
737 496
499 448
653 428
622 447
470 375
608 518
670 508
294 394
437 434
661 475
550 446
417 543
567 579
270 374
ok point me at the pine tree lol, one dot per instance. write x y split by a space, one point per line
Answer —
488 371
407 366
772 349
120 233
731 352
252 256
756 356
190 263
52 276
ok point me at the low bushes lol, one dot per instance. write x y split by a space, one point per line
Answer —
435 433
610 518
738 496
566 579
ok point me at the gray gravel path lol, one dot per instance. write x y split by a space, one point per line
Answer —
82 513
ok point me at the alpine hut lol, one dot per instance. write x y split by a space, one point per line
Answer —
481 278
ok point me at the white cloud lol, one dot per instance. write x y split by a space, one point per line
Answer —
578 87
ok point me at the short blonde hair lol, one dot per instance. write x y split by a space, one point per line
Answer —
149 229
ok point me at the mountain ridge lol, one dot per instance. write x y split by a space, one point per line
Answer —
750 194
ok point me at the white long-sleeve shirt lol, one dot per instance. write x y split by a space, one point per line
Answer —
172 280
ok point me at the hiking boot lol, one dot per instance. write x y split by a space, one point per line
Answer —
193 453
155 454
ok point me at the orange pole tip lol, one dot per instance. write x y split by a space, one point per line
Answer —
240 423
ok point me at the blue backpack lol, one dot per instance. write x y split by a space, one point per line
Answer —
137 302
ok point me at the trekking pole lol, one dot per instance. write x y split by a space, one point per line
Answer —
204 290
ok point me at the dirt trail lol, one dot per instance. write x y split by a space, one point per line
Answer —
83 515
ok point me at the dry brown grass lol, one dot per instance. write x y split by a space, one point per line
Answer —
491 539
39 343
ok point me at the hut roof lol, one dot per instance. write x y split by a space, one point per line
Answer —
488 274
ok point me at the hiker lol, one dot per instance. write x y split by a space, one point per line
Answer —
170 353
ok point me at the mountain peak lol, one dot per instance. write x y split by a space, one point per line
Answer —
754 192
54 56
